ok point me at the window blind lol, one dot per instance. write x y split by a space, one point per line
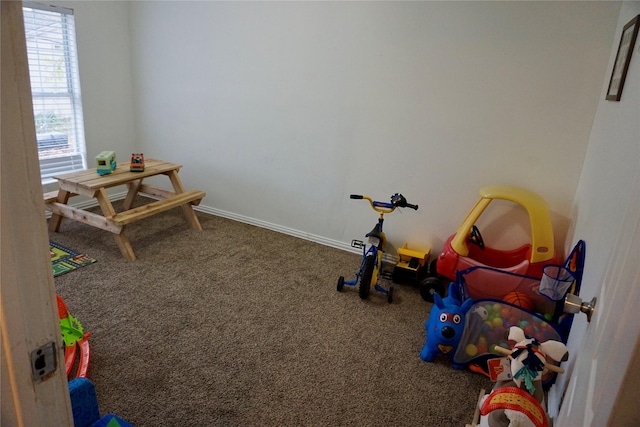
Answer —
55 87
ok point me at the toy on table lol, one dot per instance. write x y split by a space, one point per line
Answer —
517 399
137 162
106 162
73 337
445 326
466 248
372 252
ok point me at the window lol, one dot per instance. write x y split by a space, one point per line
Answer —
55 87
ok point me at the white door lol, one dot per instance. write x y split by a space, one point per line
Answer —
600 387
28 315
610 343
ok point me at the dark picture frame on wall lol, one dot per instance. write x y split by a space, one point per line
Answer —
623 58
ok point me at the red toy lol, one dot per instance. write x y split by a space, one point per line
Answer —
137 163
517 398
466 248
73 338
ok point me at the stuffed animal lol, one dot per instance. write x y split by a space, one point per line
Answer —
445 325
520 400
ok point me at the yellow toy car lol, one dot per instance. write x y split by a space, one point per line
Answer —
466 247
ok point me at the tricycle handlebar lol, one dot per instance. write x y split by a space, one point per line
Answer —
397 201
400 201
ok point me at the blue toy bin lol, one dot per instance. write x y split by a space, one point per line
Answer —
489 319
490 316
486 282
482 282
487 324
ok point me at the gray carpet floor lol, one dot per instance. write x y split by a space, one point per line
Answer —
242 326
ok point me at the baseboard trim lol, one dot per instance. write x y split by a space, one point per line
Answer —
251 221
387 258
277 228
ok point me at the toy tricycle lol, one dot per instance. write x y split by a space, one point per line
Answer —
466 247
371 264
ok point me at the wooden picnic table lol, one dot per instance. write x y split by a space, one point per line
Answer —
89 183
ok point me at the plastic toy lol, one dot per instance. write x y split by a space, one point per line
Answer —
137 162
466 247
73 337
520 299
106 162
538 315
445 326
85 407
486 325
517 399
411 266
575 264
373 251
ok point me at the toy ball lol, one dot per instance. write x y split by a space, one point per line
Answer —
471 350
520 299
530 330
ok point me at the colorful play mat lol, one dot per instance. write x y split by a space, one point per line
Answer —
64 260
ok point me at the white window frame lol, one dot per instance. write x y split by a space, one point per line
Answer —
55 86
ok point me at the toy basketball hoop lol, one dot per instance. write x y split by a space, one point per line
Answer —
555 281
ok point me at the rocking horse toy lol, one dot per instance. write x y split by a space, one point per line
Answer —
517 399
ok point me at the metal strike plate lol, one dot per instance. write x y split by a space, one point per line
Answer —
43 361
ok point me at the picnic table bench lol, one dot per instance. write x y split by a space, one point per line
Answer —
89 183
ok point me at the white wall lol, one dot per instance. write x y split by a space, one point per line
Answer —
280 110
104 60
606 214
